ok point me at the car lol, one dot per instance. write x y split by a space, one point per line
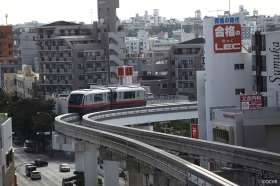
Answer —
40 163
29 168
150 96
64 167
35 175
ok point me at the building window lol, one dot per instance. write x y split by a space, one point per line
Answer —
191 85
239 91
263 43
81 78
164 86
238 66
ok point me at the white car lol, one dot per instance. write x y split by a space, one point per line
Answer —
64 167
150 96
35 175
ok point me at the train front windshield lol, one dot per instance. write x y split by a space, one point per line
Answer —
76 99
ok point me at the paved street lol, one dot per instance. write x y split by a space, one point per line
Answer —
50 174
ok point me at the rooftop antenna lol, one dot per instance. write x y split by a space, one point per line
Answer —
6 16
91 16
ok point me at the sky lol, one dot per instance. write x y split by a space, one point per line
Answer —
20 11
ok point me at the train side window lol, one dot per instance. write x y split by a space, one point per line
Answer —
129 95
98 97
87 100
138 94
141 94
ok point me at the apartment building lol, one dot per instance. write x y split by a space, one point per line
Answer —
74 56
170 70
185 59
6 41
8 63
25 48
7 162
23 83
154 72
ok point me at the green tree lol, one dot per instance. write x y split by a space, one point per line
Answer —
42 122
26 117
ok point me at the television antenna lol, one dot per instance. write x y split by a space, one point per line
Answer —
229 7
6 16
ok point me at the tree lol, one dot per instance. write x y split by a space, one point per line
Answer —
4 101
42 122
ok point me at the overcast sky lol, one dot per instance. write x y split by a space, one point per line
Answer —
85 10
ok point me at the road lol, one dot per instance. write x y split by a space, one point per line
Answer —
50 174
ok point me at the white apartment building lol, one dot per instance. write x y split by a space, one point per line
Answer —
22 83
138 45
7 171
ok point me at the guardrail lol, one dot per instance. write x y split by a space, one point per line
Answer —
168 163
253 158
150 109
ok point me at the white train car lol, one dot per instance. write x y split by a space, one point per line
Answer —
105 98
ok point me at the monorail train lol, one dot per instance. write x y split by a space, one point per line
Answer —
104 98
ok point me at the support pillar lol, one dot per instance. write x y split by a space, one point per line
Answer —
111 173
86 161
203 163
135 178
161 179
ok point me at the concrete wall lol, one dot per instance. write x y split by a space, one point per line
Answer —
255 129
254 136
200 78
272 138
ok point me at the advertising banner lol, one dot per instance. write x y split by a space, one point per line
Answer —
125 71
273 67
251 102
194 131
227 38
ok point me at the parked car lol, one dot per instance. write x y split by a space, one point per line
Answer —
29 146
40 163
150 96
64 167
17 141
35 175
29 168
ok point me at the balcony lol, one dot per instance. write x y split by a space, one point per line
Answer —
116 60
115 48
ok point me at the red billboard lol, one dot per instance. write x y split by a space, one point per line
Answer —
125 71
194 130
227 38
120 71
251 102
